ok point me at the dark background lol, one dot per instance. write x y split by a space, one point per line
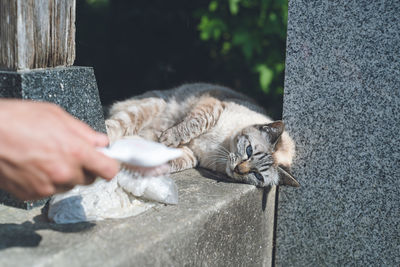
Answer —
135 46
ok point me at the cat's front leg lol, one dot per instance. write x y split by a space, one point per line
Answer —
187 161
171 137
201 118
130 116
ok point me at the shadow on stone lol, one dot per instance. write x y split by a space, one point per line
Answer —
264 197
25 235
18 235
219 177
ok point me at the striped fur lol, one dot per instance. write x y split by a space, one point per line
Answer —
213 125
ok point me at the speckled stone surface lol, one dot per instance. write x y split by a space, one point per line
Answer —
215 224
342 106
73 88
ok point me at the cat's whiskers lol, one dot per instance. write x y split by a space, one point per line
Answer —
222 151
219 157
221 148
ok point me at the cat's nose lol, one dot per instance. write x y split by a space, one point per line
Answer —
242 168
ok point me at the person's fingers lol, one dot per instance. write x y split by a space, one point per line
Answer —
98 164
14 189
26 184
85 132
40 186
89 177
78 178
101 140
29 191
63 188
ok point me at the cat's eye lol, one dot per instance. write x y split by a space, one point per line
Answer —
249 151
258 176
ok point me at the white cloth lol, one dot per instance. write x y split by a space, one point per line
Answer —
123 196
129 192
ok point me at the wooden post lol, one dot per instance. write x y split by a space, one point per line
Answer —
36 34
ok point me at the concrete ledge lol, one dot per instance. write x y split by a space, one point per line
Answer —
215 224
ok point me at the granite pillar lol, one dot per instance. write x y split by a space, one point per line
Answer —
72 88
342 106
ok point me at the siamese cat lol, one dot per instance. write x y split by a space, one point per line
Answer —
215 127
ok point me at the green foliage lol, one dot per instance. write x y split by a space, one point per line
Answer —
136 46
98 3
252 32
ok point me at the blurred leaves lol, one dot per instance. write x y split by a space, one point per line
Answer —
266 75
234 6
136 46
211 28
249 31
98 3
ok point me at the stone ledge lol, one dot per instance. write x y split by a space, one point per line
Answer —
215 223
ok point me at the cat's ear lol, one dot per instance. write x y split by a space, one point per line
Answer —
285 178
273 130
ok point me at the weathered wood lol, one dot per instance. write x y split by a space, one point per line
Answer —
36 34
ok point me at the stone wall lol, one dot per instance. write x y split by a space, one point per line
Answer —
342 106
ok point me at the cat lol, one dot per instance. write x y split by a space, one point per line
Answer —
217 128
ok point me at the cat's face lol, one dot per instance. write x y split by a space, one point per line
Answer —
251 155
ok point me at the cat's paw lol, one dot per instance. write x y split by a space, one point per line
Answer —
114 130
170 138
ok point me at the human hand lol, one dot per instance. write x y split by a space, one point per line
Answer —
44 150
